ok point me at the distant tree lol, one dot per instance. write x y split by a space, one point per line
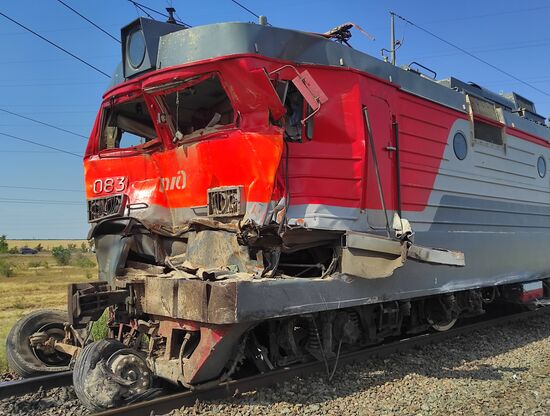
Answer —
14 250
71 247
3 244
62 255
84 247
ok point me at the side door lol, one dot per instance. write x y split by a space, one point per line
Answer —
380 189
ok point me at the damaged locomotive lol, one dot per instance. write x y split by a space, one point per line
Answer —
261 196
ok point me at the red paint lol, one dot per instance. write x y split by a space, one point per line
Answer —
526 297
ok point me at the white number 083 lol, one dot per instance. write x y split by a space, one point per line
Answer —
108 185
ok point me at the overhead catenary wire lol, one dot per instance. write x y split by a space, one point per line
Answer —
36 188
55 45
144 9
486 15
25 151
49 84
477 58
245 8
42 123
88 20
138 9
41 201
40 144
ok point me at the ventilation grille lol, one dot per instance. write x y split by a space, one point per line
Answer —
101 208
225 201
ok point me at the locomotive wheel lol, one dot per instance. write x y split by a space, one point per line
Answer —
28 361
444 326
106 374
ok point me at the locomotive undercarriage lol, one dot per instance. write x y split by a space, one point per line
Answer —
192 320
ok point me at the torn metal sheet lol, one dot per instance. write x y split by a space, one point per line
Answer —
372 257
436 255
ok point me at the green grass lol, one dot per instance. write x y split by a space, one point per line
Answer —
99 328
34 287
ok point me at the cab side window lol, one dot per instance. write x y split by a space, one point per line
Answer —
297 110
126 125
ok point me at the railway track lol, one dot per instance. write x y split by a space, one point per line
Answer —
30 385
230 388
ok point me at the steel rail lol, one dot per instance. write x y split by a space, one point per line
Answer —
231 388
31 385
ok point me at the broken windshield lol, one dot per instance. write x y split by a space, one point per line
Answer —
197 108
126 125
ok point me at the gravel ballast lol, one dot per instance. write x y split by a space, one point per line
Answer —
501 371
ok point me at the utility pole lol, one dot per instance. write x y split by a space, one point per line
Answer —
392 38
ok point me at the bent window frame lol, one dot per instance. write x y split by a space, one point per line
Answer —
196 129
148 129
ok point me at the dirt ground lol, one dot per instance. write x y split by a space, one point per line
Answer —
37 282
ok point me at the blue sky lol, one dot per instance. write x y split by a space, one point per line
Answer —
39 81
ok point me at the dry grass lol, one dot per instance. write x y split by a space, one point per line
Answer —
46 244
35 288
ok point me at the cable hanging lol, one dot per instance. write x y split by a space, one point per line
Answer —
43 123
41 201
88 20
39 144
477 58
245 8
33 188
144 9
55 45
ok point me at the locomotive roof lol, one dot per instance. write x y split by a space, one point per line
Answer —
183 46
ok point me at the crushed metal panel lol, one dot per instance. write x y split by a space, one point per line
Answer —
436 255
260 79
373 243
222 303
192 300
223 250
369 264
87 301
161 296
176 298
371 256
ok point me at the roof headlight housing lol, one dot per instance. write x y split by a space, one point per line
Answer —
135 48
140 44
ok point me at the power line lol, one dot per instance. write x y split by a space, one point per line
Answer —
482 16
42 122
521 46
477 58
88 20
25 151
143 8
41 201
245 8
40 144
55 45
40 189
49 84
